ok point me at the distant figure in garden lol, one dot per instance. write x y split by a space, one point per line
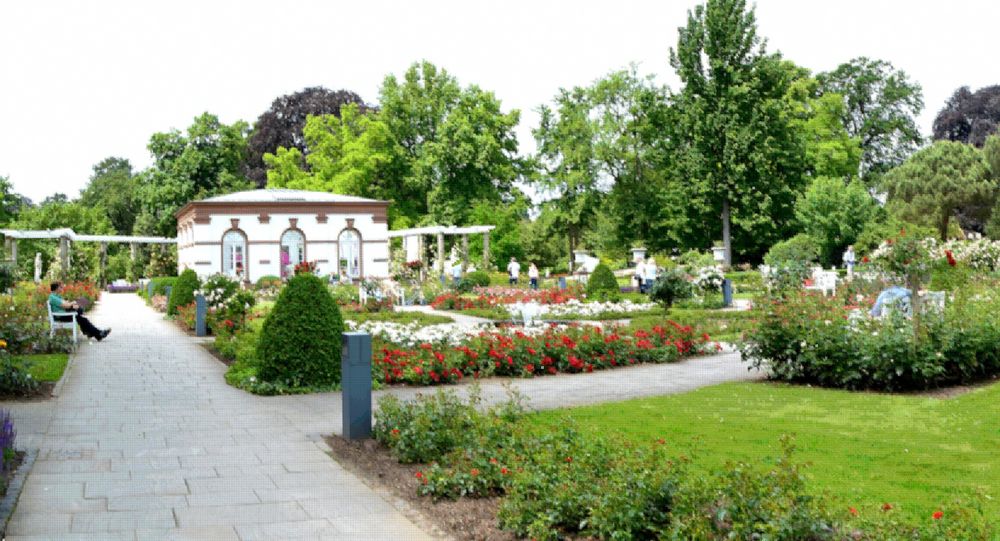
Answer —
58 304
456 272
650 273
849 260
533 275
38 267
513 270
640 275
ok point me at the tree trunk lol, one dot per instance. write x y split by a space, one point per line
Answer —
572 246
943 226
726 237
916 305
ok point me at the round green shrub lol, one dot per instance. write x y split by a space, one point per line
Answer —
301 338
799 249
671 285
478 279
183 290
602 284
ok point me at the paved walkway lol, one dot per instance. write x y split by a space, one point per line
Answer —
146 441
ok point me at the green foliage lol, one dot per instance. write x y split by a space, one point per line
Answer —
15 380
182 292
885 227
940 179
11 203
506 240
734 96
160 284
268 281
602 284
944 277
478 278
812 339
112 187
799 249
8 276
671 285
833 215
218 289
694 259
207 160
881 105
301 338
59 214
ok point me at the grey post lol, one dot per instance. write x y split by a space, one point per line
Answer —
727 292
149 290
356 382
200 311
562 282
168 289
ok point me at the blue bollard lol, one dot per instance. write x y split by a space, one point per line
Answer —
200 311
356 382
727 293
149 290
168 289
562 282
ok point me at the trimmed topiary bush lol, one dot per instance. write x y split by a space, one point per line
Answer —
799 249
672 285
183 290
301 338
268 281
161 284
602 284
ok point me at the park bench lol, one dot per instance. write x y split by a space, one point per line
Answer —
55 325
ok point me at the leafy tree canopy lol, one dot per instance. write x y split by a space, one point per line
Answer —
112 187
969 117
281 126
881 106
204 161
833 215
11 203
735 149
941 178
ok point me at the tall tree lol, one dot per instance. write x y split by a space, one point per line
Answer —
830 150
569 180
834 215
881 109
940 179
734 145
969 117
205 161
461 146
11 203
58 214
282 124
112 187
354 154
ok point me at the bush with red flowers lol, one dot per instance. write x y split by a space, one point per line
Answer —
571 349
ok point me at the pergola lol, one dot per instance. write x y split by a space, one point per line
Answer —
440 231
67 236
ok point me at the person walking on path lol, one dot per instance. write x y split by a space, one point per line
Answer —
533 275
640 275
456 273
849 260
58 304
650 272
513 270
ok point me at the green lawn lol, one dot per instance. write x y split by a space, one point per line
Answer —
865 449
399 317
46 367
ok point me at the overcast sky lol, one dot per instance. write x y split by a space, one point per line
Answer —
80 81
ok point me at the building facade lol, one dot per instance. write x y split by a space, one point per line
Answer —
247 235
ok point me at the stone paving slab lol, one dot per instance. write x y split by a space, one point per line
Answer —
146 441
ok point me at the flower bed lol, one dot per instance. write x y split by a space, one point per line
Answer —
809 338
549 350
574 309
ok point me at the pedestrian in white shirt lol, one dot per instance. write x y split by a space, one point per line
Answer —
650 273
513 270
533 275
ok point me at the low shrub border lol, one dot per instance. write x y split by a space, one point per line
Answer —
561 483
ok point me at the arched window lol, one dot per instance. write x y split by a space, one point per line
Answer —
293 251
234 254
349 247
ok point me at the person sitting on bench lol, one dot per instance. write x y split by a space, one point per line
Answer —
57 304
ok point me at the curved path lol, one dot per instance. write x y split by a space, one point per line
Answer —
146 441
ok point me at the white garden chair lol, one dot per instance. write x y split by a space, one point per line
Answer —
55 325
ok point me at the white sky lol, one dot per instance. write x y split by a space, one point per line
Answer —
80 81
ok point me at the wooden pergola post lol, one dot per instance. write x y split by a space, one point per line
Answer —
134 248
486 250
64 255
13 250
103 277
440 264
465 253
